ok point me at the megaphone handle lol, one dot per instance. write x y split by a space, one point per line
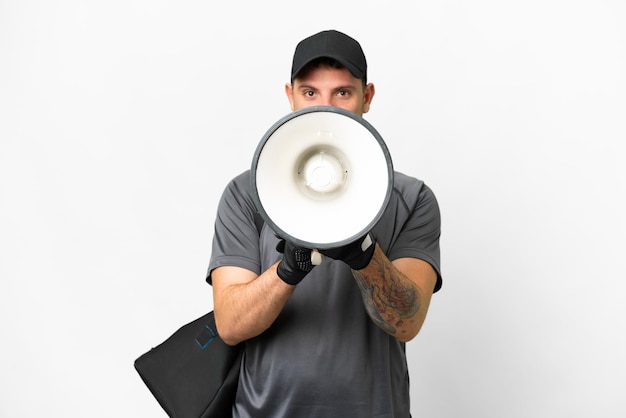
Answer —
316 257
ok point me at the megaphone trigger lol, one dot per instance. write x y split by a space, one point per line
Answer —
367 241
316 257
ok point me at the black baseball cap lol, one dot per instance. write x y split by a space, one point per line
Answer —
331 44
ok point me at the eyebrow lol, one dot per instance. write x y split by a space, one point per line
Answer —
344 87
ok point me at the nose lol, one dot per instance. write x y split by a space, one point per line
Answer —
326 101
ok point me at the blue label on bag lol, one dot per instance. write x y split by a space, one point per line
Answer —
206 337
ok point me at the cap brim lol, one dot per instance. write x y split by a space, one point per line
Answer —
353 69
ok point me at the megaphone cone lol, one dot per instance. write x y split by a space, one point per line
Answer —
321 177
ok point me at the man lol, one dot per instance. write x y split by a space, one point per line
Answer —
327 340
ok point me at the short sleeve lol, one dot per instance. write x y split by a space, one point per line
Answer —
236 240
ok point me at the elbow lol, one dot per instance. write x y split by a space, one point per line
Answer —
227 332
230 341
407 334
405 338
228 338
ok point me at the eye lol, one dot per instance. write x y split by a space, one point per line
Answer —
309 93
343 93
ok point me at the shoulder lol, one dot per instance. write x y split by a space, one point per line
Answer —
236 202
238 189
405 183
240 183
412 191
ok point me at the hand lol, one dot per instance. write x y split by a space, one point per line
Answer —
356 254
296 262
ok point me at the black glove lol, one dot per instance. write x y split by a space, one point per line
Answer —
354 254
296 262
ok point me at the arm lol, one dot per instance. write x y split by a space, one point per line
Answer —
396 294
245 304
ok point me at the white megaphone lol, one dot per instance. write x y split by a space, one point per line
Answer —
321 177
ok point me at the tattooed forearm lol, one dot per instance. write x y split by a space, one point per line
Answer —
370 303
389 299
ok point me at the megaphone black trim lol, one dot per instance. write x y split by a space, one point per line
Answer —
297 240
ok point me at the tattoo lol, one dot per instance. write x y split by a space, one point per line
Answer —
388 300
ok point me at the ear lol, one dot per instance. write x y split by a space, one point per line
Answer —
368 96
289 93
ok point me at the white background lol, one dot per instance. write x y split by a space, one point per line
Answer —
122 121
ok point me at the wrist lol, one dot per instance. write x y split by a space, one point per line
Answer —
286 275
368 246
295 265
